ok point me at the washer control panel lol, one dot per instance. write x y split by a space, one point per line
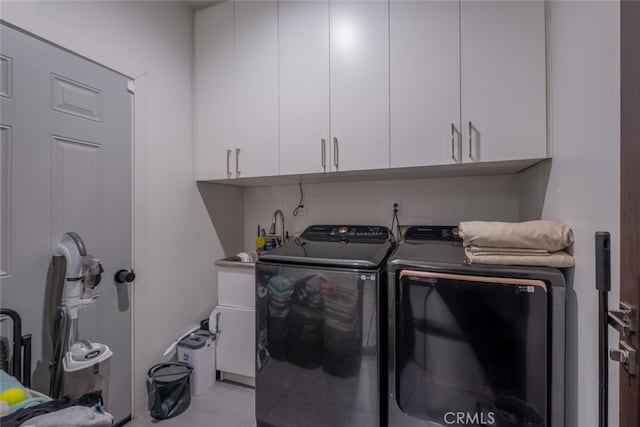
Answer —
350 233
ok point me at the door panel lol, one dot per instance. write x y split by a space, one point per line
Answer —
6 77
214 93
79 186
236 340
256 88
317 346
70 170
236 288
476 345
304 86
359 49
503 80
630 197
5 199
425 82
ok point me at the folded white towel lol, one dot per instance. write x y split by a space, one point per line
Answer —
529 257
551 236
475 250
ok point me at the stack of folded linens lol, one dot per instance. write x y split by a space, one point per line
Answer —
535 243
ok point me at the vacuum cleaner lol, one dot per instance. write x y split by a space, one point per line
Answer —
78 366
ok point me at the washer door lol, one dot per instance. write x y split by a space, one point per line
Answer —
317 358
471 350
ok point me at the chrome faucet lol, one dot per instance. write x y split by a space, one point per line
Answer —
272 229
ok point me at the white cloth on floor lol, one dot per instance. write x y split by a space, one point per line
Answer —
509 256
551 236
73 416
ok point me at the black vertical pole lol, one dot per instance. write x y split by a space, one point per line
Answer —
603 285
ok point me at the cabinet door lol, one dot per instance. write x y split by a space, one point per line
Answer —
304 86
359 51
236 341
236 287
256 87
425 82
503 80
214 95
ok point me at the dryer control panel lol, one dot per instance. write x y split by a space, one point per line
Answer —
350 233
442 233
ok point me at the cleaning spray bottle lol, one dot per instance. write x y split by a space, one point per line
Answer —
261 241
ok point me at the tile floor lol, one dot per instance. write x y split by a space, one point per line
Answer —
224 405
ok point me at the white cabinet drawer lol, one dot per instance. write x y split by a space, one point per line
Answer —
236 287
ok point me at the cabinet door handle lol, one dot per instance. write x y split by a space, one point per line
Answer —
228 169
336 159
323 154
453 142
470 138
218 330
237 162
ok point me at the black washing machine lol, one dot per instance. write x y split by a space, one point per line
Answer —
319 355
480 345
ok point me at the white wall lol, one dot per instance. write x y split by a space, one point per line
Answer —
441 201
174 240
582 186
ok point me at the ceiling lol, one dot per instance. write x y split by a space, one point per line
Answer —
200 4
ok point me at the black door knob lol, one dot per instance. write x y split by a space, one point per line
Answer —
124 276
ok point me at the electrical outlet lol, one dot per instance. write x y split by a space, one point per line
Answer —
302 210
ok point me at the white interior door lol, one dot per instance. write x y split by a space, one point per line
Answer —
67 131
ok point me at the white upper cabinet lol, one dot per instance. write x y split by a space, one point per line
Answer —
359 50
304 87
503 80
256 88
213 92
313 86
425 82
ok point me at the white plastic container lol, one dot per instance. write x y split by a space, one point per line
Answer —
199 350
86 369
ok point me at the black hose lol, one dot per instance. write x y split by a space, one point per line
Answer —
26 367
59 338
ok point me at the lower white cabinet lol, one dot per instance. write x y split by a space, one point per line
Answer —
235 343
236 287
236 324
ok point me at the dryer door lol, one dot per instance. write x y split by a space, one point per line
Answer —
471 350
